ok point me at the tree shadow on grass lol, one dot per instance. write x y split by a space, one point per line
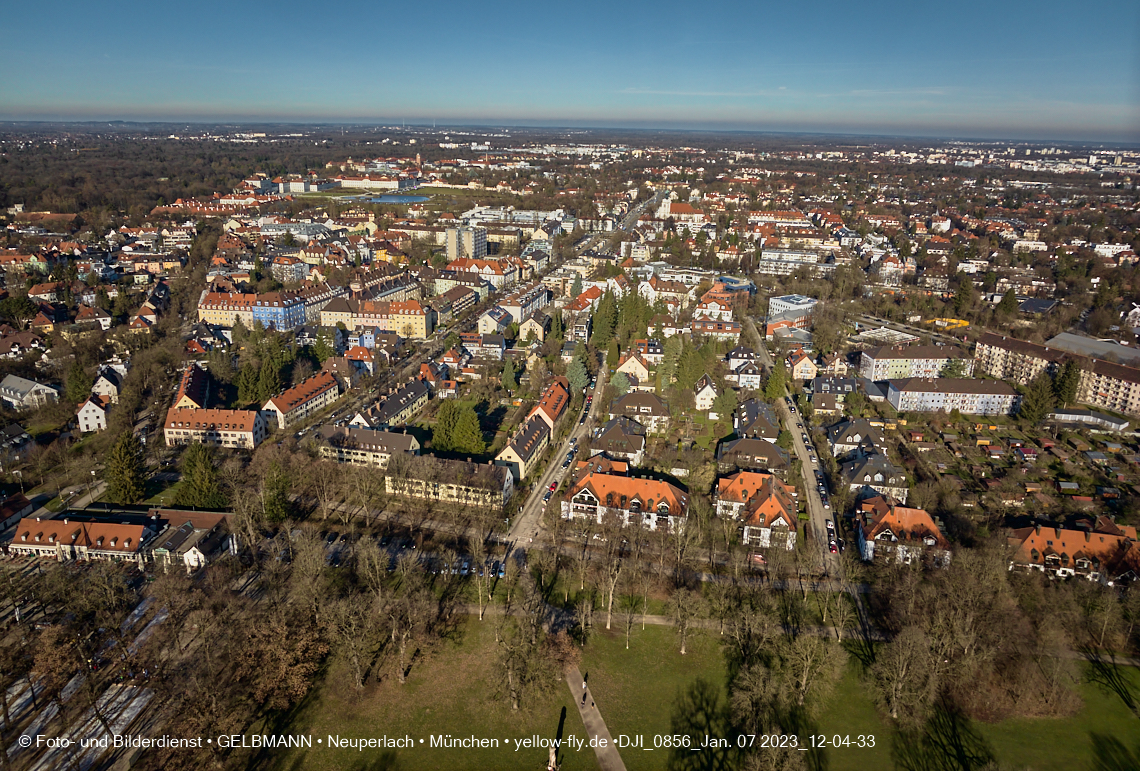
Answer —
946 742
1105 672
1110 754
697 713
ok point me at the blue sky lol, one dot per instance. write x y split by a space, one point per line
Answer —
986 69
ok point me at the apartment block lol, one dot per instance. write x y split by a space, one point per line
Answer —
895 362
969 397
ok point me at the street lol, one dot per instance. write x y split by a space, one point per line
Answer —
817 515
529 521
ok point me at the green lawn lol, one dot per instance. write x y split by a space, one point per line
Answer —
165 497
1035 744
637 689
451 693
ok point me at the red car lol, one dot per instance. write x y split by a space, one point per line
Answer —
553 486
834 549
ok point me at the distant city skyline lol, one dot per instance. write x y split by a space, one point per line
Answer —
998 70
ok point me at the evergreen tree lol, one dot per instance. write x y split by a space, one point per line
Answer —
578 376
510 381
556 330
725 403
953 368
964 296
200 488
576 287
1038 400
269 381
605 319
124 472
670 359
613 354
620 383
468 436
239 332
1008 304
443 432
78 383
247 384
784 441
777 380
1067 382
275 494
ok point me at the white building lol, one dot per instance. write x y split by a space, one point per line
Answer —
789 302
969 397
92 414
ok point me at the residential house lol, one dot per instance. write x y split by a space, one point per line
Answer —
193 388
914 361
93 317
20 393
14 508
651 503
292 405
526 447
244 429
889 532
108 383
364 446
535 327
647 409
755 419
66 539
751 454
764 504
92 414
739 356
801 367
634 368
190 539
871 475
397 408
705 393
452 482
622 438
855 438
747 377
1105 552
493 321
968 396
554 402
718 330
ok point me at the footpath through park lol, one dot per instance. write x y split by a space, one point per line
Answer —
608 757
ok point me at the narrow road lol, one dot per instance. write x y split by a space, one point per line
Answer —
528 524
817 514
609 759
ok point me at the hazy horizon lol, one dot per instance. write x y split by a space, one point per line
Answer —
983 71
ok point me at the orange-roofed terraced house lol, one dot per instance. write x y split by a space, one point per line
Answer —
555 399
1108 552
646 502
243 429
302 400
65 539
766 506
887 531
